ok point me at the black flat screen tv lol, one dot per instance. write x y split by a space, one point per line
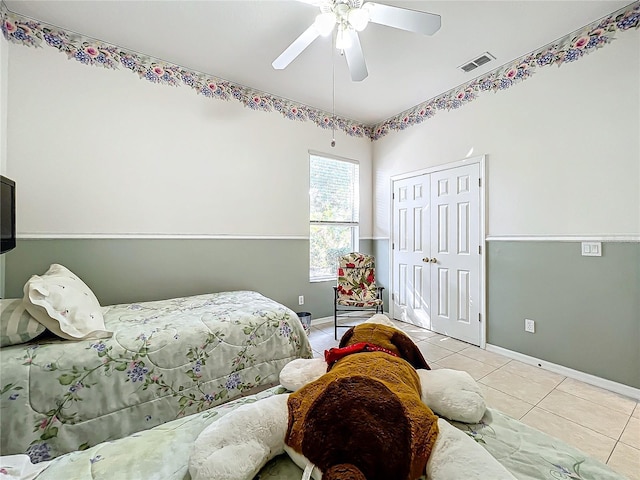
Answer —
7 214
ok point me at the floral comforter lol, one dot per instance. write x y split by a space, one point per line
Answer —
166 359
163 452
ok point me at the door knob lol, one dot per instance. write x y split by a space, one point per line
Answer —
434 260
425 259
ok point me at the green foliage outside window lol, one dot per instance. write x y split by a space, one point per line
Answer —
327 243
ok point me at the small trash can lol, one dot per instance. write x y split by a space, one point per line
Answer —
305 319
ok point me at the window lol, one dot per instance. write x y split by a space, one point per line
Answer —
334 194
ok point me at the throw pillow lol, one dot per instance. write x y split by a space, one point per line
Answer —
16 324
62 302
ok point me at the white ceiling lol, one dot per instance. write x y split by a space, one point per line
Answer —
238 40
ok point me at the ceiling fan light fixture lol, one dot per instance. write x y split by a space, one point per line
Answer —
358 18
324 23
343 41
348 18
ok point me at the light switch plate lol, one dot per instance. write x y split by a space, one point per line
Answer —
591 249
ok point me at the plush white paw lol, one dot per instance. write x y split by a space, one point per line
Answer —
455 455
238 445
452 394
301 371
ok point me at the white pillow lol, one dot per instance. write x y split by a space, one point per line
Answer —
62 302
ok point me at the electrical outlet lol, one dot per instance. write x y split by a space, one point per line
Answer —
301 300
529 326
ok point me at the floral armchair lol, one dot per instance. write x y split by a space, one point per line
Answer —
356 290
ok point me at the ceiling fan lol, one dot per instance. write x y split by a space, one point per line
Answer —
349 17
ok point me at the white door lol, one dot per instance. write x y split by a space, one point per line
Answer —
455 255
411 238
436 257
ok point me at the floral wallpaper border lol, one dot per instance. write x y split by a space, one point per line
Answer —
569 49
89 51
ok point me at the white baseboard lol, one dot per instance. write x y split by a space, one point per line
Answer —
616 387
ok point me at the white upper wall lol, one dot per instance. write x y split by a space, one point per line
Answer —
563 148
4 70
97 151
4 67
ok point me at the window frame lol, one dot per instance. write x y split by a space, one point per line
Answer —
354 226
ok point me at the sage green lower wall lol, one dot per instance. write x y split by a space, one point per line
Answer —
132 270
586 309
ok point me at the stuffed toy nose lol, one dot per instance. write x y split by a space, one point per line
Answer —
343 471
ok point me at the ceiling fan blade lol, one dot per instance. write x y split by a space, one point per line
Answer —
404 18
296 48
355 58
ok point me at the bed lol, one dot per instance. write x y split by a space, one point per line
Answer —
165 360
163 452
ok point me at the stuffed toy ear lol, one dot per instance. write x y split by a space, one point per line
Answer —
302 371
409 351
346 337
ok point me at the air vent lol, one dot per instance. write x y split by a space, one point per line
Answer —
486 57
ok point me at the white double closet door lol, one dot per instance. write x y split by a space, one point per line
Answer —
436 251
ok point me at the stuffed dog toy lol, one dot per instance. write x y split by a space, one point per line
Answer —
365 412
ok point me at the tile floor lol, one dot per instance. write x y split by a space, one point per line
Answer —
599 422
